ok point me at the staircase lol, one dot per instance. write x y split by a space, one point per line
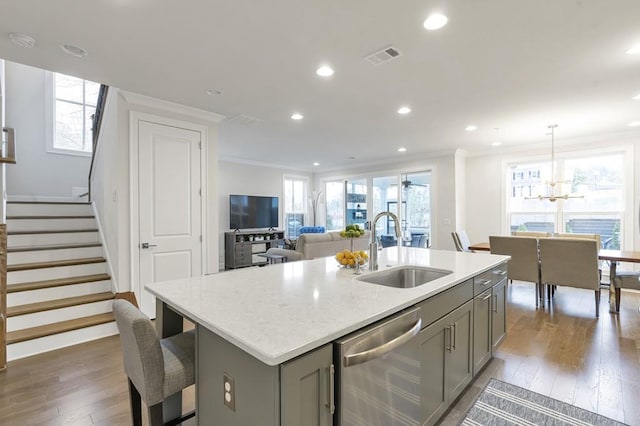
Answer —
58 290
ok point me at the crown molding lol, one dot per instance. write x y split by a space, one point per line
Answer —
172 107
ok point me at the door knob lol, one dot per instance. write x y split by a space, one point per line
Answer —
147 245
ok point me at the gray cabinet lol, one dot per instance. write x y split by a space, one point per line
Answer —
446 361
241 248
306 389
490 322
498 314
482 326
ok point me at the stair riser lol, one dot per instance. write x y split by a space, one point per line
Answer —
44 239
14 258
49 209
57 315
61 340
43 274
45 294
50 224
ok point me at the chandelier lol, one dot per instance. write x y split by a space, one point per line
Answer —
553 183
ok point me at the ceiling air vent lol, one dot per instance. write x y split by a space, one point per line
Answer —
242 119
382 56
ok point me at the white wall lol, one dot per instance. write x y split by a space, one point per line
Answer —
485 190
248 179
111 186
443 207
25 111
104 189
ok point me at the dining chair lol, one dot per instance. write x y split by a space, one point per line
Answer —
575 235
625 279
461 241
156 368
536 234
524 264
571 262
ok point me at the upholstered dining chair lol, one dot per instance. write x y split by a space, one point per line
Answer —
524 264
536 234
572 235
625 279
571 262
156 368
461 241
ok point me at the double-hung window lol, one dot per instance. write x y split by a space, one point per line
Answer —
72 105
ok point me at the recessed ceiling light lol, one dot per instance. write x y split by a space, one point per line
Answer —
404 110
297 116
633 50
325 71
402 149
435 21
496 143
76 51
316 164
22 40
636 97
634 124
214 92
471 128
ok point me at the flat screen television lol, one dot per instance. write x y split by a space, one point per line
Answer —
252 211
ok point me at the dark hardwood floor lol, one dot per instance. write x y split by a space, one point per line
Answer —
562 351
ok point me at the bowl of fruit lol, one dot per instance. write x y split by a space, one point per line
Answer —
349 259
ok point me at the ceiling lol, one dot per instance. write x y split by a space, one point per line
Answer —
512 65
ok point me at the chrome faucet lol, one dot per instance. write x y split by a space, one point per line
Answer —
373 244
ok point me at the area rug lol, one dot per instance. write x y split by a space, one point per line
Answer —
501 403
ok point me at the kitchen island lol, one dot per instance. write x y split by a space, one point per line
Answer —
260 330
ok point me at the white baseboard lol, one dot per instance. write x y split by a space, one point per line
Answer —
46 198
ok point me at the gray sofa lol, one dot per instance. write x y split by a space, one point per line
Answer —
311 246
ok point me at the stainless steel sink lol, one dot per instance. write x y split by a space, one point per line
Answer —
404 276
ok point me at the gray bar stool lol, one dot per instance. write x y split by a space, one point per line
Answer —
156 368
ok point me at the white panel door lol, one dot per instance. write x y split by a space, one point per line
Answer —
169 206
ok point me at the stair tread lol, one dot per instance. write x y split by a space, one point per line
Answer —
54 263
52 217
52 247
50 202
64 231
58 303
58 327
37 285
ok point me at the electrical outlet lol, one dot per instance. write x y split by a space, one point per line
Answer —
229 391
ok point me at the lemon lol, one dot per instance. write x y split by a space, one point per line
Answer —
339 255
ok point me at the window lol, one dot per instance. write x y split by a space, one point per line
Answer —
73 102
334 198
295 204
598 177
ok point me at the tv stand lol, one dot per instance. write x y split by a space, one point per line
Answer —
243 247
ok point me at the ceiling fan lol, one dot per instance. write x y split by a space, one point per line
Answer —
406 184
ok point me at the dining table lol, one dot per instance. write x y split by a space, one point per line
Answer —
611 256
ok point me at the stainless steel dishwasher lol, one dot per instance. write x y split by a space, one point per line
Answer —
379 373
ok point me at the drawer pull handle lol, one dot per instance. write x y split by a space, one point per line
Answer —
484 282
500 272
495 304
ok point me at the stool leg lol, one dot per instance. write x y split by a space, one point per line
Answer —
136 404
155 415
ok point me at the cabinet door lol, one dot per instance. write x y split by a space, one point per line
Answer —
307 389
499 314
434 346
459 366
482 325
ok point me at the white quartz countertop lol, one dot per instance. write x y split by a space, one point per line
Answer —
280 311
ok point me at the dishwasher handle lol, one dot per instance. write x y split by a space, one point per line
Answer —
378 351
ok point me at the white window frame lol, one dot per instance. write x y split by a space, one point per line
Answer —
50 120
305 200
628 214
